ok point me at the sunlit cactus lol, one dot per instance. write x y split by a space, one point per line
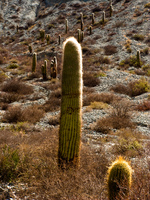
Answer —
111 10
103 17
119 180
71 104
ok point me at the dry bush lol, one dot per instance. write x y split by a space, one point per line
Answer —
110 49
38 159
9 97
119 117
143 106
31 114
54 120
89 80
138 37
134 88
102 60
16 86
53 102
129 143
102 97
3 55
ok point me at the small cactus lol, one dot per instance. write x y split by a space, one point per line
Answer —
79 35
30 48
34 62
82 25
93 18
71 104
59 39
17 28
82 36
111 10
53 68
90 28
103 17
48 38
138 58
119 179
44 70
81 16
66 26
42 34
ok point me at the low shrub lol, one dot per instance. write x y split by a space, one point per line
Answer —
118 118
138 37
110 49
147 5
102 97
131 61
143 106
16 86
134 88
13 66
31 114
90 80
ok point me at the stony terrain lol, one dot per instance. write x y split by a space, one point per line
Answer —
104 53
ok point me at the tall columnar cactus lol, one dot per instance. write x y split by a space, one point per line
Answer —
111 10
119 179
34 62
66 26
71 104
44 70
93 18
138 58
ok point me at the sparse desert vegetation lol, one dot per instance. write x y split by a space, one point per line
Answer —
115 98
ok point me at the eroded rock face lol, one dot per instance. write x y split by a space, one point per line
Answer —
17 12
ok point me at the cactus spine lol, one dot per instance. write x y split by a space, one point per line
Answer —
119 179
34 62
138 58
71 104
44 70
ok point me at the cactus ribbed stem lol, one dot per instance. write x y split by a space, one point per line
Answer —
71 103
93 18
119 179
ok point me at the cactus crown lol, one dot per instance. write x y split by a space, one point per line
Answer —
119 179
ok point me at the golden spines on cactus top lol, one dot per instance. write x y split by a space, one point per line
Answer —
71 104
119 179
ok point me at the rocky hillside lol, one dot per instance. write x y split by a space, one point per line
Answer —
116 95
